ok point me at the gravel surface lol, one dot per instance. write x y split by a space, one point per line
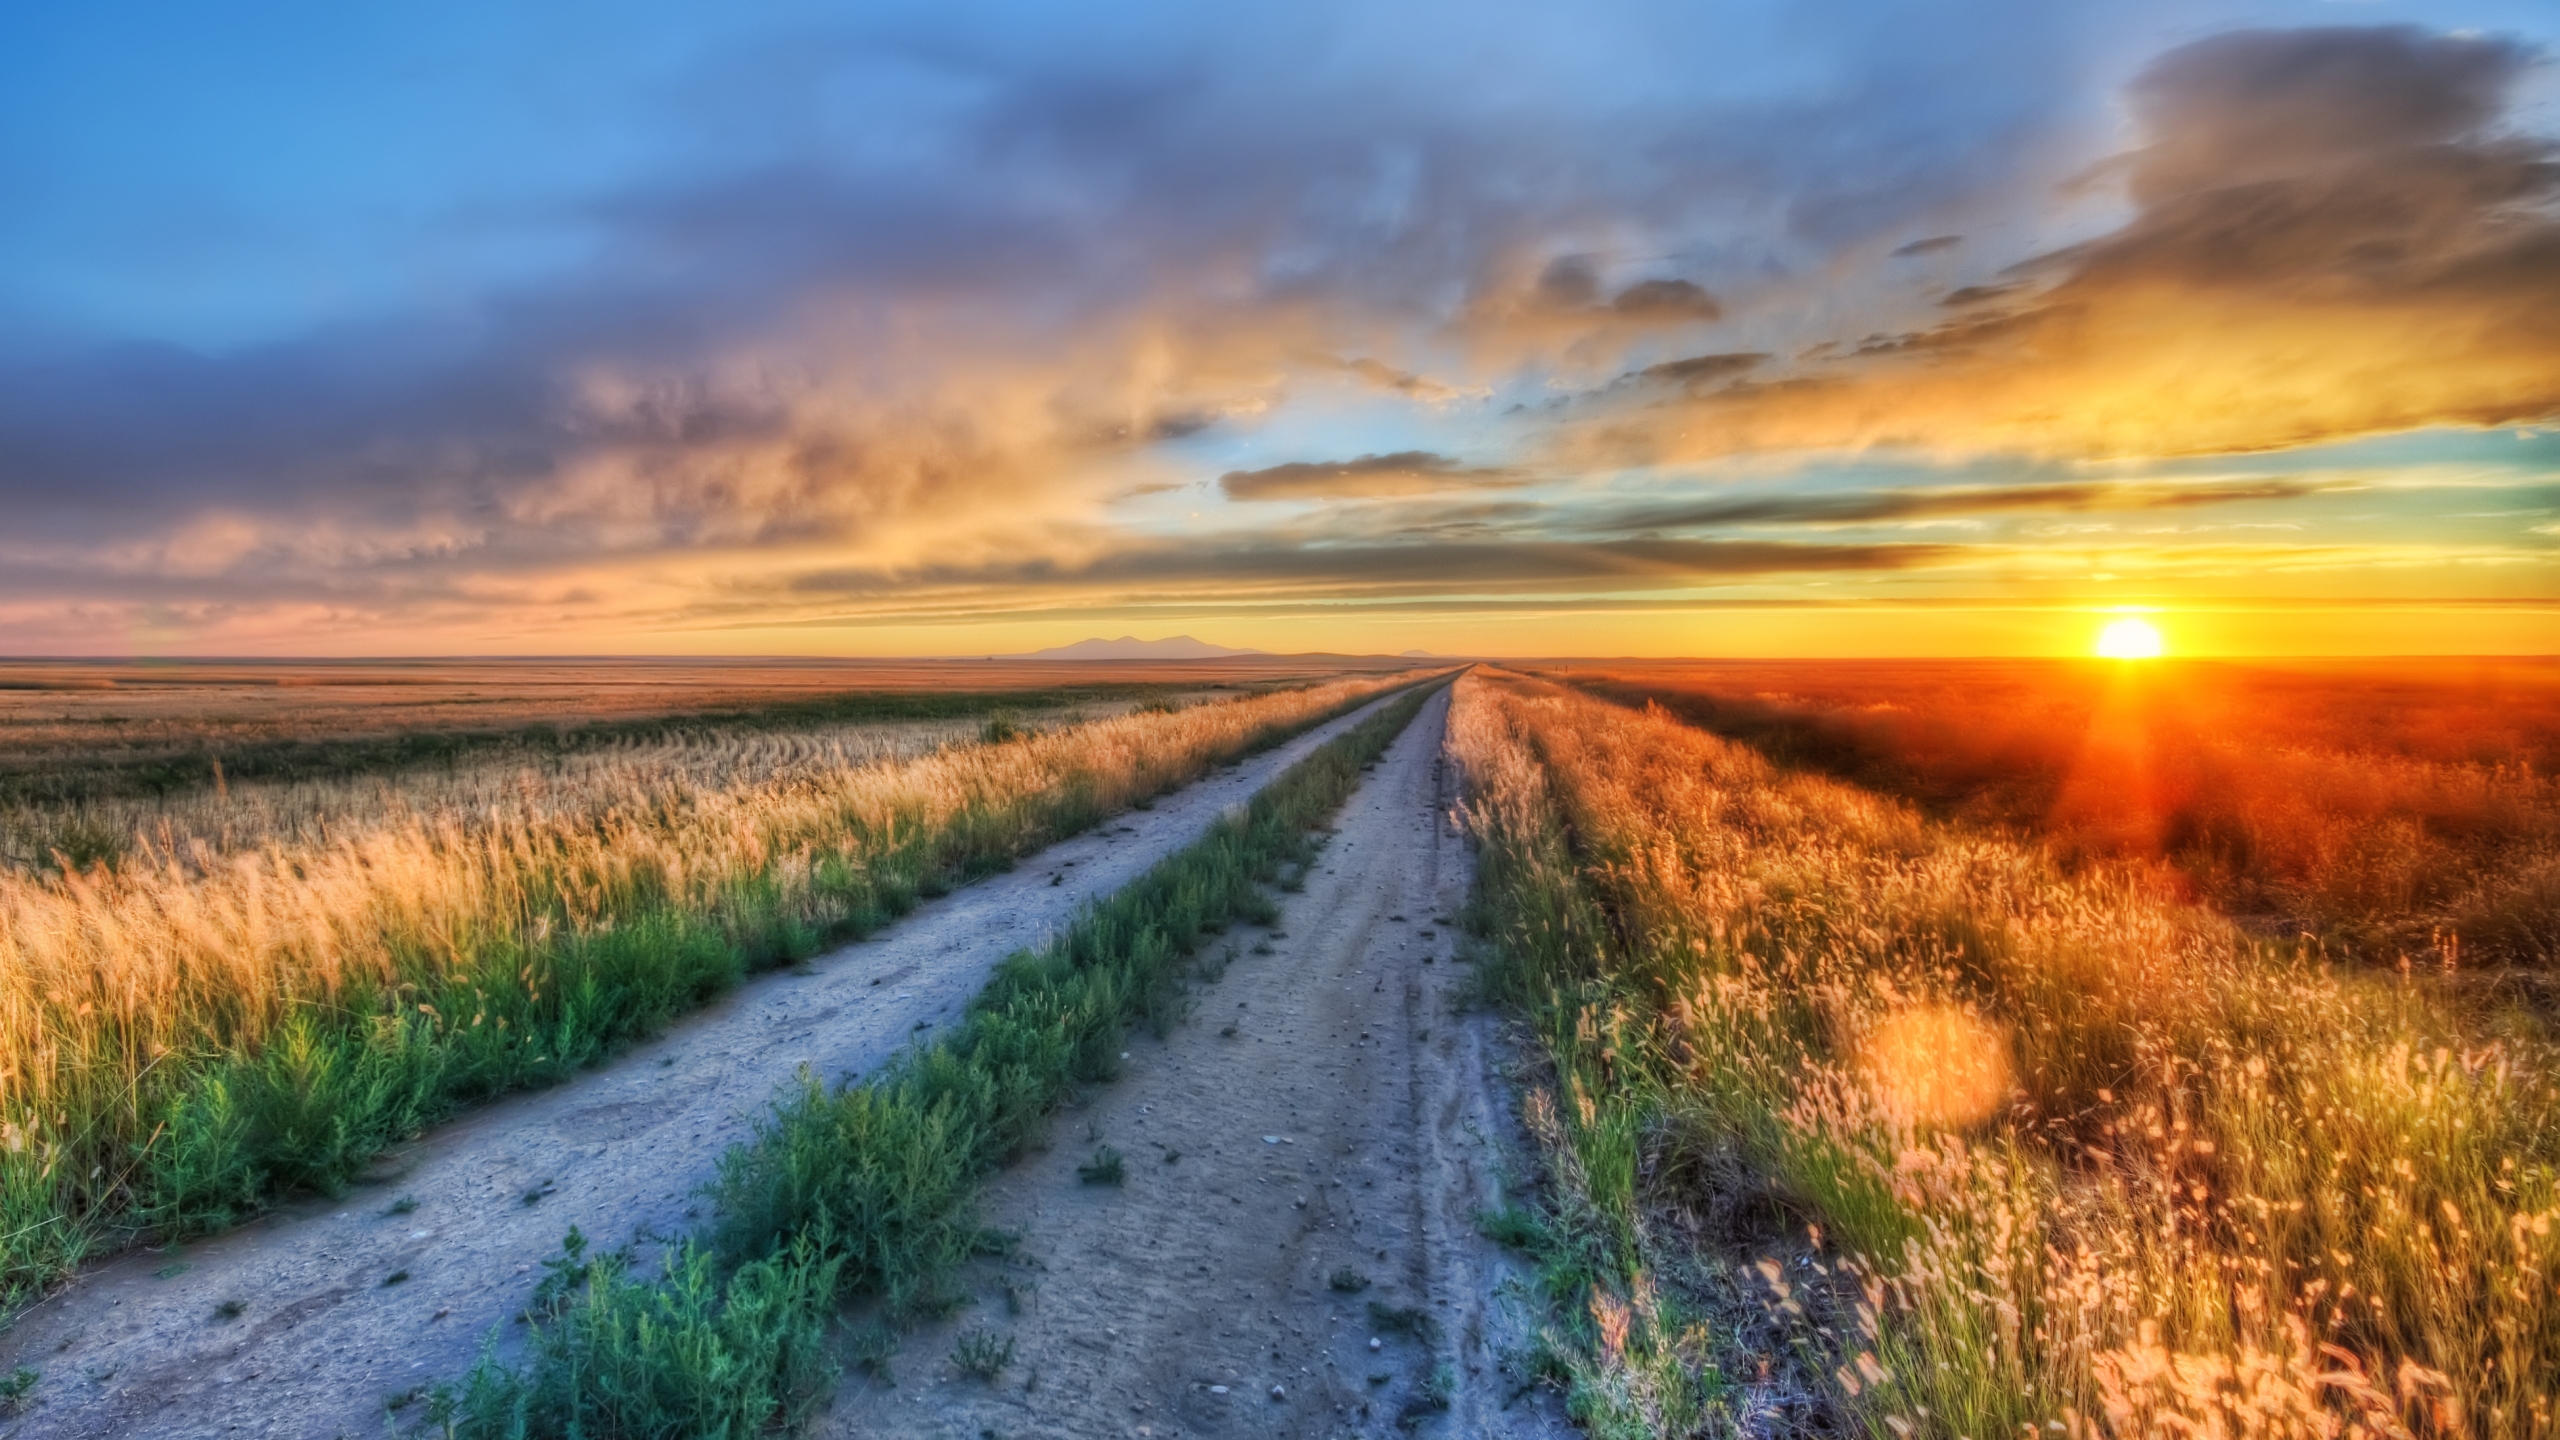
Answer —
308 1321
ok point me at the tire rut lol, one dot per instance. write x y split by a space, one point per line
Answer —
1329 1110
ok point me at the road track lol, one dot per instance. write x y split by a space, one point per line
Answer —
344 1304
1334 1107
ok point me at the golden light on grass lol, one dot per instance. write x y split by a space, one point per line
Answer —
1936 1066
426 909
2130 639
2215 1189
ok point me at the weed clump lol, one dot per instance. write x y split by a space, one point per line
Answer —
1105 1168
15 1387
983 1353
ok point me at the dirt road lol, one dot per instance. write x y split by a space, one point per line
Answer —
1327 1112
306 1322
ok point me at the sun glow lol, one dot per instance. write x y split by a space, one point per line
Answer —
2129 639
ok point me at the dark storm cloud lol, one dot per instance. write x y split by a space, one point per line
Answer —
1403 472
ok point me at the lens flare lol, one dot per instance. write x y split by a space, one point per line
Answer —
2129 639
1935 1065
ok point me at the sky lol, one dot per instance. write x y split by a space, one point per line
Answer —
1832 327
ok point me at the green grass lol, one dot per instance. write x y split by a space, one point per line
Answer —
872 1189
230 1133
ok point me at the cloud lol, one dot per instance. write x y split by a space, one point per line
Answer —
1667 300
1703 369
1234 567
1404 472
918 284
2332 235
1868 506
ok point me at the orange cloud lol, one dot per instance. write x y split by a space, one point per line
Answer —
2331 237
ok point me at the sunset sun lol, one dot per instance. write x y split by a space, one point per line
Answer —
2129 639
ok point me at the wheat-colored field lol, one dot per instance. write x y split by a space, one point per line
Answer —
2381 807
265 989
1859 1121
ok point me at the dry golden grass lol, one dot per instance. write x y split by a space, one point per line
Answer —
176 1029
82 730
2218 1189
2369 803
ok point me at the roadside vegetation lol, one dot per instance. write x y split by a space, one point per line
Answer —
1858 1121
2375 806
215 1017
174 773
871 1189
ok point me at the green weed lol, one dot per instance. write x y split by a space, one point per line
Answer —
1105 1168
983 1353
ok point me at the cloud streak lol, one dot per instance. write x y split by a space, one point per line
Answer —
1404 472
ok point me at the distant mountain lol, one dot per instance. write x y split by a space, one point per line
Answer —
1416 655
1130 647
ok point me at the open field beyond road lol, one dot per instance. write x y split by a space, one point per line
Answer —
82 730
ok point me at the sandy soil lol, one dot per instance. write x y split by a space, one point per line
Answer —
1329 1107
343 1305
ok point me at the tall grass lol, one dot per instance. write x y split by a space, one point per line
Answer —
871 1188
2373 804
197 1029
1858 1120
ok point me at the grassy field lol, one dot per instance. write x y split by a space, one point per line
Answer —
2385 808
1855 1119
870 1189
78 732
260 989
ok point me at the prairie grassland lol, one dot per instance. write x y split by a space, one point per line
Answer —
2374 805
495 784
1863 1121
79 732
871 1188
198 1028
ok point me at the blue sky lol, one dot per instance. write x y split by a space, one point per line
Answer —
936 329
